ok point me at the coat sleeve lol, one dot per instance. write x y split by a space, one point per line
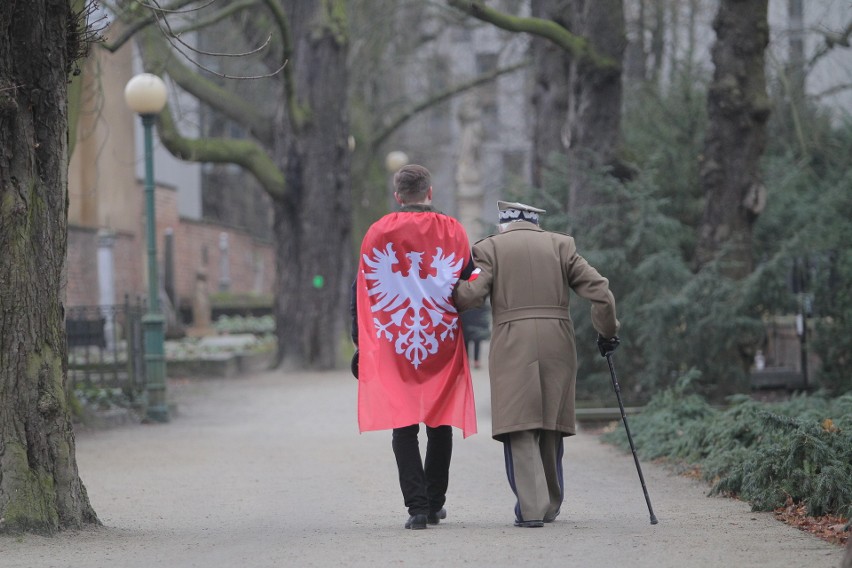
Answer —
471 293
587 282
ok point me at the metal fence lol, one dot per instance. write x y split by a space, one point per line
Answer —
106 346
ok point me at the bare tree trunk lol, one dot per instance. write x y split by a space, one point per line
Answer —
551 88
738 108
692 17
795 74
40 489
636 52
658 38
594 111
796 57
313 223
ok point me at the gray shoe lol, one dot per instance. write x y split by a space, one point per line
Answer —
551 518
529 524
416 522
435 517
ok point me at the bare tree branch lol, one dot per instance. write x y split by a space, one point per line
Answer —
244 153
230 9
157 55
157 15
832 40
833 90
298 114
438 98
134 24
157 8
578 46
179 45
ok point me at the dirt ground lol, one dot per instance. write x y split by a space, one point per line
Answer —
269 470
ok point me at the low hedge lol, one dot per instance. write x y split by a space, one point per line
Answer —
761 452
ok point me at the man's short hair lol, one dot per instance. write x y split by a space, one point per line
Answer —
412 182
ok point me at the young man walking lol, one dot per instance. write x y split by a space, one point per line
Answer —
411 362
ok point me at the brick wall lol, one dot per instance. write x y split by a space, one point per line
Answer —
81 267
251 263
128 257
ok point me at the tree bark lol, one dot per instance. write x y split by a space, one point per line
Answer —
313 218
738 108
636 51
796 56
551 89
40 489
300 155
577 95
594 106
576 100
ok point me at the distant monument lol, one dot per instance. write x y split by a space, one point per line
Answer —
201 317
469 192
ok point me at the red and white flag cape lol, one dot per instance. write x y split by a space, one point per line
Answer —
413 365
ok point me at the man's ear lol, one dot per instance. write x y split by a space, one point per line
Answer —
429 193
397 197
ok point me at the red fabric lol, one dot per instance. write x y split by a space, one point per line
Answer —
413 365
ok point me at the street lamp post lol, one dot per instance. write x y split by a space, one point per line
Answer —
146 95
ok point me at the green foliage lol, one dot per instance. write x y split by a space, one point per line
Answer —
762 453
664 134
242 324
95 398
641 235
245 300
809 218
673 320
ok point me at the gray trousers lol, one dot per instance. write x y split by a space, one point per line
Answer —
534 469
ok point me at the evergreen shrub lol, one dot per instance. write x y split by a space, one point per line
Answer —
762 453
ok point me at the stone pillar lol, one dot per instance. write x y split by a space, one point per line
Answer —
201 301
106 283
469 192
224 264
259 272
169 267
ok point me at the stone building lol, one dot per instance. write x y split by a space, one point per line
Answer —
106 237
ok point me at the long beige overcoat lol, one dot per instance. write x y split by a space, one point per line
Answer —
529 273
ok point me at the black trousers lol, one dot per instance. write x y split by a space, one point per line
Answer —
423 483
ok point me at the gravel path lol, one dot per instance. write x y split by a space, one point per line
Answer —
269 470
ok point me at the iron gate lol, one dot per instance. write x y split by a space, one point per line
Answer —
106 347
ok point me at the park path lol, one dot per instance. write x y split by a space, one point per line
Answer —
269 470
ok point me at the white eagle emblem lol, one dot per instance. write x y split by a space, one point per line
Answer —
416 305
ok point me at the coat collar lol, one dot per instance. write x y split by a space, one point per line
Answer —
417 208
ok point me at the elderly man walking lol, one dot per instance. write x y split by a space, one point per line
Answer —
529 272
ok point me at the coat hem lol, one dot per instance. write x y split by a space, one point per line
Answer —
499 433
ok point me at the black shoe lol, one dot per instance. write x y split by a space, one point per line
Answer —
551 518
416 522
529 524
435 517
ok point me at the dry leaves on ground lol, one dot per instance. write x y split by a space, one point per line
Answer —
833 529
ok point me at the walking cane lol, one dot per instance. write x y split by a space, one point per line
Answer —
629 437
